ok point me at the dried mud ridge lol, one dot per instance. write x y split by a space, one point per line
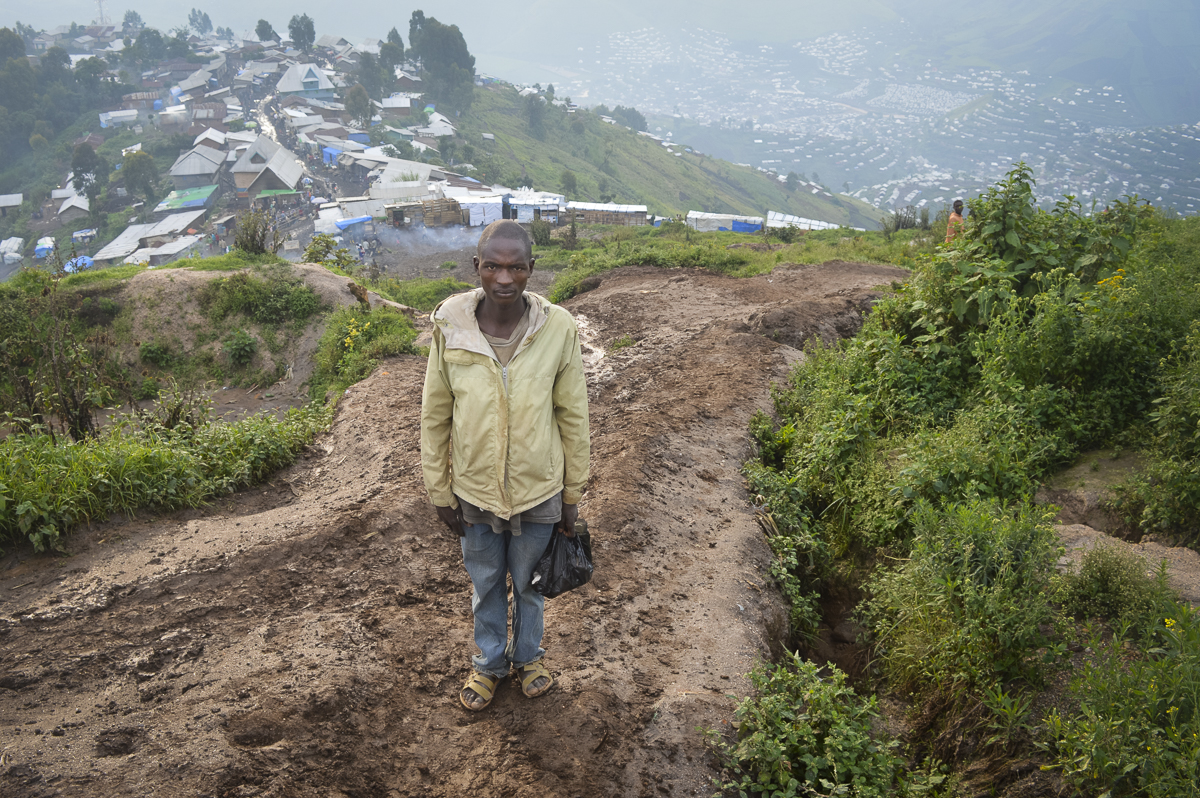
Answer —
308 637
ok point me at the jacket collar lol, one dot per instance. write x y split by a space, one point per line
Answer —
455 317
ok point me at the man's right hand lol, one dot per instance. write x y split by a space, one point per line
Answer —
452 518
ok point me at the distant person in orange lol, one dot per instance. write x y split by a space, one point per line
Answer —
955 225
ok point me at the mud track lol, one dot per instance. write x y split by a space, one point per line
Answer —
308 637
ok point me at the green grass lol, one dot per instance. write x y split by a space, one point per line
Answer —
46 489
610 160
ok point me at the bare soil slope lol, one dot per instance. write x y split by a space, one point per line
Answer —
308 637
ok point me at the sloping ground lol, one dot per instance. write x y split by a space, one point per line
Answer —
308 638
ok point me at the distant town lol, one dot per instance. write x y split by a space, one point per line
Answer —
837 111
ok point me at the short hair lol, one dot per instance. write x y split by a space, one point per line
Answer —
958 204
508 230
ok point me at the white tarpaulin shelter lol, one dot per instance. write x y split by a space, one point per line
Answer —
484 210
776 219
10 250
711 222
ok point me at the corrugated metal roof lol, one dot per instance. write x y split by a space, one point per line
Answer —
608 207
11 200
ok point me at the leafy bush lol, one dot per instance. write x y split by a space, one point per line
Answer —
540 231
156 353
1169 492
963 611
1138 727
257 234
324 250
353 343
1112 583
276 298
806 735
420 292
240 347
47 489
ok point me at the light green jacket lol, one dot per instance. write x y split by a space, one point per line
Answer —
520 434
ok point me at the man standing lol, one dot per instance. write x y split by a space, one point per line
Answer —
504 449
954 225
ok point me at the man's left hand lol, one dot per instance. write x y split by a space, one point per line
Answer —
566 525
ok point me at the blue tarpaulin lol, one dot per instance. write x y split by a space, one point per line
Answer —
330 154
43 250
745 227
361 138
78 264
342 224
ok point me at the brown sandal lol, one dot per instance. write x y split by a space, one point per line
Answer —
484 686
528 674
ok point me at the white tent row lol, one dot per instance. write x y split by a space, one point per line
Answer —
775 219
711 222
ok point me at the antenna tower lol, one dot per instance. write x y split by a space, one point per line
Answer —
100 7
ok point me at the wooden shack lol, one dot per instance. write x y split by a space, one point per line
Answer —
441 212
607 213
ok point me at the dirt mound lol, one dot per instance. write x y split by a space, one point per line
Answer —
308 637
164 306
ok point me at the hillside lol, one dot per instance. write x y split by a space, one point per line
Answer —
612 161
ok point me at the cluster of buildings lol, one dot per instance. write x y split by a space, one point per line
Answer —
880 126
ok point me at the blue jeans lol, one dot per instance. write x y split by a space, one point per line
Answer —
490 557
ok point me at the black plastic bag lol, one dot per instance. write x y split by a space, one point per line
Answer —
566 564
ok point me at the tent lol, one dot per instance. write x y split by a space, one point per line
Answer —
10 250
484 210
710 222
342 224
84 236
78 264
44 247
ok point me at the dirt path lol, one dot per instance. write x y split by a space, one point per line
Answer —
307 638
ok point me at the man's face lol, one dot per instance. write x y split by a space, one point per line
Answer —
503 270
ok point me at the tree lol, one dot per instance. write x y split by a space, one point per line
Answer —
569 182
301 29
140 174
793 180
150 45
415 23
177 45
199 21
133 22
550 91
535 112
449 67
265 32
393 37
11 45
391 55
373 76
89 172
358 106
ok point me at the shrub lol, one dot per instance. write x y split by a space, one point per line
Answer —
539 231
353 343
420 292
276 298
257 234
804 734
46 489
240 347
1138 727
1112 583
963 611
156 353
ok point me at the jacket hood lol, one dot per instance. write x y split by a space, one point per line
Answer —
455 317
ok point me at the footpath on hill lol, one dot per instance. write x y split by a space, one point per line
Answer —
308 637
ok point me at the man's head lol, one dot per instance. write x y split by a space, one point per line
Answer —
958 207
504 262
